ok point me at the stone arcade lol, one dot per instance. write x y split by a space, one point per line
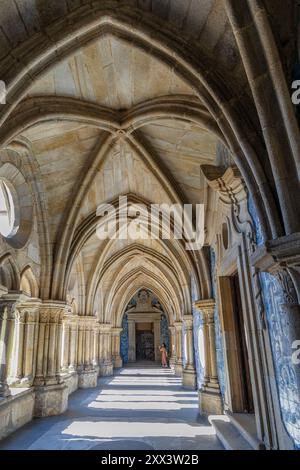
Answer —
164 102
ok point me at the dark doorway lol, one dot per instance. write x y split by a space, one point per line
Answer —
242 347
239 396
144 345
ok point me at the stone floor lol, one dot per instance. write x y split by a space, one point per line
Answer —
139 408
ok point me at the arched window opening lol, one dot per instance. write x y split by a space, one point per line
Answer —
7 211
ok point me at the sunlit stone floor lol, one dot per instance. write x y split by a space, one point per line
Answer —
139 408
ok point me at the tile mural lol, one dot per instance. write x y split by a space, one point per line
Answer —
289 395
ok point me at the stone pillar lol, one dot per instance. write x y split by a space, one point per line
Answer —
51 393
189 376
131 341
172 358
116 345
157 354
66 329
22 369
80 340
95 342
178 348
73 334
8 304
106 365
87 373
210 399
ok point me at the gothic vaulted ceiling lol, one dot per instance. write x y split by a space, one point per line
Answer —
109 117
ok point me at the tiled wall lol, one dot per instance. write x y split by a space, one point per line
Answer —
289 394
219 338
164 332
124 339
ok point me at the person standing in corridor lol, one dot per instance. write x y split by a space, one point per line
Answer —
164 355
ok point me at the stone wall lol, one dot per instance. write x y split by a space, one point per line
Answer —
15 411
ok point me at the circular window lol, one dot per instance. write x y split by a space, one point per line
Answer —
16 206
7 211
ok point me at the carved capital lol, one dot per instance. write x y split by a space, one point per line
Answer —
178 325
188 321
207 308
105 327
116 331
7 310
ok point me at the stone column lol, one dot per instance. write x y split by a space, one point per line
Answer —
178 348
88 373
51 393
22 369
68 368
172 358
66 330
131 341
210 399
116 345
95 343
80 340
106 365
189 376
73 345
31 344
8 304
157 354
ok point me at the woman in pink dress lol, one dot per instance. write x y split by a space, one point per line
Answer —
164 355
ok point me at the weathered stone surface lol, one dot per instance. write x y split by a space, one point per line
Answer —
50 400
210 402
15 411
88 379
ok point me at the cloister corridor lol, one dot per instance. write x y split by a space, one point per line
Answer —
138 408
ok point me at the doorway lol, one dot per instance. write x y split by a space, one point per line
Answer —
239 395
144 342
242 349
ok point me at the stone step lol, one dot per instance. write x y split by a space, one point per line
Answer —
246 425
228 434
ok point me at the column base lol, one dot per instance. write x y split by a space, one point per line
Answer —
71 381
172 362
189 379
106 369
50 400
178 368
87 379
210 401
118 362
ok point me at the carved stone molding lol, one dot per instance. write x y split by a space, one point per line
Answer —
227 182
